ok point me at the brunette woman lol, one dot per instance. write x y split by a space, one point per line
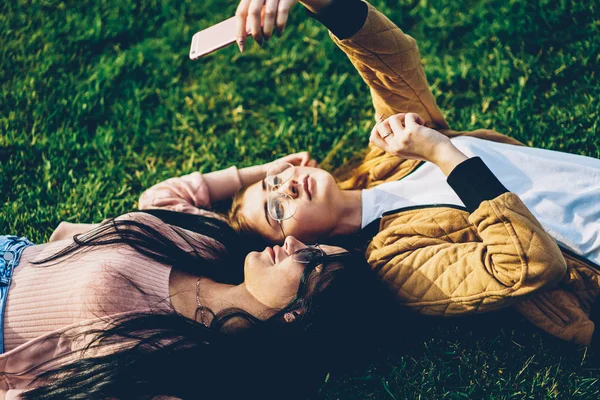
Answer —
138 307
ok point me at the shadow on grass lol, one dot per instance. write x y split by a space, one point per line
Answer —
466 357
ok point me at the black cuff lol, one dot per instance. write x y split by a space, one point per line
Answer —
343 17
473 182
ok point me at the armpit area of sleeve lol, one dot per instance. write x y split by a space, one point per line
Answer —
343 17
473 182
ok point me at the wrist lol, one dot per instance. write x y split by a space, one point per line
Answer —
446 156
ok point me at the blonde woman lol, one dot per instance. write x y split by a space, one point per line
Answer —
453 222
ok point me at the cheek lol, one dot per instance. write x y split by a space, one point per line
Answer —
288 285
326 183
310 223
279 289
251 271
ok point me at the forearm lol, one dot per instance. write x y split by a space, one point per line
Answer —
342 17
250 175
387 59
225 183
447 157
475 183
470 178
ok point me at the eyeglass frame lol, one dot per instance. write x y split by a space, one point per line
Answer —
310 248
273 189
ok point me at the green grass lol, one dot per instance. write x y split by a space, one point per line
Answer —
99 101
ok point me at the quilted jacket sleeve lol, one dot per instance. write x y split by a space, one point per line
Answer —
389 62
447 262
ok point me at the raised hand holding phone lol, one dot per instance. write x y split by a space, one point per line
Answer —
258 18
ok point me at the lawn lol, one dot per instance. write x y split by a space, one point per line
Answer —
100 101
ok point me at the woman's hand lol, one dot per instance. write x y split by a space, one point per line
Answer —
261 17
301 159
406 136
250 175
251 16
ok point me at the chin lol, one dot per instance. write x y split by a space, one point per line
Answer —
325 183
251 256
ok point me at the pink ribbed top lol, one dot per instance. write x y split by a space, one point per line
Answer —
45 299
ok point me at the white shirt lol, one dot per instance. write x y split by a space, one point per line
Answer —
561 190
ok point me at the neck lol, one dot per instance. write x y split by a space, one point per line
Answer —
219 296
214 296
349 214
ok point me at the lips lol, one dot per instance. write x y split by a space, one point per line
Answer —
271 253
280 254
306 185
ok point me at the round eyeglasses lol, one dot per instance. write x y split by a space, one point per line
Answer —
308 254
280 206
279 173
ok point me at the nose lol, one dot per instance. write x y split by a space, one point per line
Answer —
290 188
292 244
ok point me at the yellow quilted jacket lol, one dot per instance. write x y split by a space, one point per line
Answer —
443 260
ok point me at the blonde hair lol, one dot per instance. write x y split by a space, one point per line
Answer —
236 219
356 172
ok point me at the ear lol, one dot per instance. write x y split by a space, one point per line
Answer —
291 316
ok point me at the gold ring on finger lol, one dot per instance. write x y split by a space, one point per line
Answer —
387 134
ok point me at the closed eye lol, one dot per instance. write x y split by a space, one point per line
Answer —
267 215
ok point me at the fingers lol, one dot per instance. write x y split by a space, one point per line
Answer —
384 129
297 159
412 119
304 158
269 18
283 12
396 123
376 139
254 16
409 120
241 16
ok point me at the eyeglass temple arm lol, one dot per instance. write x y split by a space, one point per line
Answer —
281 227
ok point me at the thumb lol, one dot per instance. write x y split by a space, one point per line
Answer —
416 118
410 120
312 163
304 158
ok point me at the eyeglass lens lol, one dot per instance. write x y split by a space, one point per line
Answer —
306 255
279 173
280 206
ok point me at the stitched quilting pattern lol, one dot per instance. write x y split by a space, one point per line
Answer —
442 256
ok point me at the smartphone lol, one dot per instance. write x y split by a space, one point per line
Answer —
213 38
